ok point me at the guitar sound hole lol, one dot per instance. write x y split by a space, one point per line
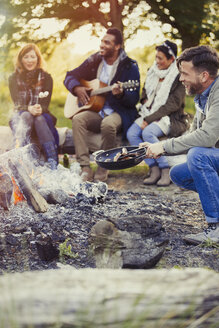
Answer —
79 104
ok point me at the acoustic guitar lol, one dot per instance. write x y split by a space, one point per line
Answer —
97 98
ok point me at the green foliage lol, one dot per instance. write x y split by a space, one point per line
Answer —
145 58
5 104
138 170
190 21
190 105
57 109
65 250
210 243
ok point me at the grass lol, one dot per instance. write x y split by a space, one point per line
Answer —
56 108
137 170
65 251
210 243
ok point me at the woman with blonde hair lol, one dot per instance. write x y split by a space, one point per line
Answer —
31 90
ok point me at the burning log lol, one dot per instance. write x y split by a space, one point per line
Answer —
6 190
25 183
19 178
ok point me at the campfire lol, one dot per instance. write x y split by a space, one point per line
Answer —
25 177
16 184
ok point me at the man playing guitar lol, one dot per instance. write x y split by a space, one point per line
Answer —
112 67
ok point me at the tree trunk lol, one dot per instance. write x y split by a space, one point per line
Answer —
116 14
190 40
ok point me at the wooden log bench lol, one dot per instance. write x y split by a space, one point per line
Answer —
66 143
110 298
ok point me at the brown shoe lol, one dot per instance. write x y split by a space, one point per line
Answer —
101 174
87 174
154 176
165 178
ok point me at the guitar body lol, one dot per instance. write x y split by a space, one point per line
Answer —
96 103
97 98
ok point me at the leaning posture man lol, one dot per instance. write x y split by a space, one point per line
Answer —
198 72
112 66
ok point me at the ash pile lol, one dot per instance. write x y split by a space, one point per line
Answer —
113 231
52 217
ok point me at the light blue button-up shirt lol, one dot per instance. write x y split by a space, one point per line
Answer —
201 100
104 77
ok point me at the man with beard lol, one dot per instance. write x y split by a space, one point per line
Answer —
113 67
198 68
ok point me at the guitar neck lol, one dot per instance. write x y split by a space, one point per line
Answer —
101 90
126 85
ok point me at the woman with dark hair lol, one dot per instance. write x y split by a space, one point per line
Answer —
31 89
162 110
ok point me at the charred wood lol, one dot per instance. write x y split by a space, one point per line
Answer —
32 196
6 190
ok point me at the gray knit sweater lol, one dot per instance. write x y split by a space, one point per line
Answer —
207 135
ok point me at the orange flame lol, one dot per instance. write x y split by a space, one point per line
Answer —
18 196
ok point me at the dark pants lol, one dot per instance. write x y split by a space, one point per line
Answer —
25 126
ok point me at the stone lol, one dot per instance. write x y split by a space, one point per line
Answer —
139 224
115 248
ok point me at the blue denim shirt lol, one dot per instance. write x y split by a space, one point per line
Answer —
201 99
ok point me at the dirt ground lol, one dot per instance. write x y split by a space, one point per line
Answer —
127 181
187 217
134 182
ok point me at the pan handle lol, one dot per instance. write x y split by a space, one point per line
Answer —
145 149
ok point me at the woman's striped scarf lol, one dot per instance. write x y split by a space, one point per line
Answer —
29 86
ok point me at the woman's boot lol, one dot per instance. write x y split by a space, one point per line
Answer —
154 176
165 178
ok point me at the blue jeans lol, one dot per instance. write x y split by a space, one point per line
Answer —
201 174
151 133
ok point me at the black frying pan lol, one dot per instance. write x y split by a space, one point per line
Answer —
106 159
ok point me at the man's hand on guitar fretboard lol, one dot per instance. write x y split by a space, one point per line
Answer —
117 89
82 94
